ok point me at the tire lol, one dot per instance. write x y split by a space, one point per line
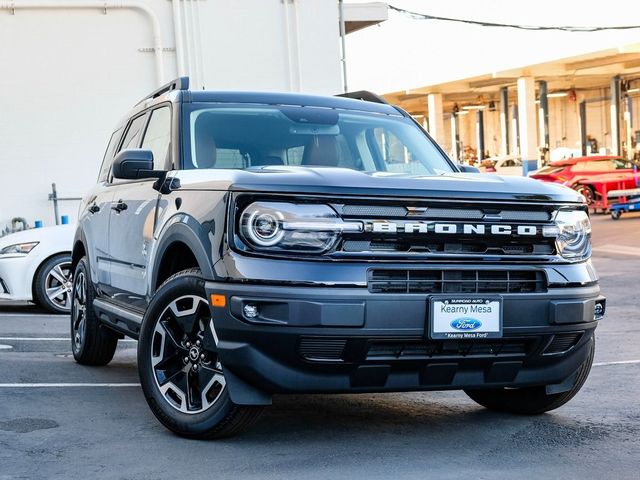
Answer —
616 214
181 376
52 284
588 192
92 343
531 400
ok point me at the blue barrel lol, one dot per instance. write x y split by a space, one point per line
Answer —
64 219
38 224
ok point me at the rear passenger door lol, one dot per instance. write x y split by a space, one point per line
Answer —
133 213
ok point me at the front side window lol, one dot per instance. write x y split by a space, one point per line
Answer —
247 136
108 156
131 139
157 137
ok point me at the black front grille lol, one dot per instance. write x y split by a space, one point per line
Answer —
447 229
456 281
562 342
394 350
3 287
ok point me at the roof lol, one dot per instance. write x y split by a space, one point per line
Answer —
592 158
295 99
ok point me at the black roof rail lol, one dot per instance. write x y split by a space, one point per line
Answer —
180 83
364 95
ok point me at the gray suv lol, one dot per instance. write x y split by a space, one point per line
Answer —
261 243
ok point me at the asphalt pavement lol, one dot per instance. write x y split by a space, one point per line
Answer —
62 420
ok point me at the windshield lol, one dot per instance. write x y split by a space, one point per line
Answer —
242 137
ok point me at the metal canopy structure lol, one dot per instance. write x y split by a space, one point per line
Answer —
580 73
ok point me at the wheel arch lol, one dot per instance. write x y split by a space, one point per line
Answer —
37 270
182 244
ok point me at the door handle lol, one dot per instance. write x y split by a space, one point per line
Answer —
94 208
120 206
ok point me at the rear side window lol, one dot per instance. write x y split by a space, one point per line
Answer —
108 156
158 137
593 166
131 139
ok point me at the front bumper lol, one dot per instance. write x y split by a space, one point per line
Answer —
334 339
15 278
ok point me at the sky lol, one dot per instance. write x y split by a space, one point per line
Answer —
404 53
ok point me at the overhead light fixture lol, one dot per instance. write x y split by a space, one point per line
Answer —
473 107
557 94
633 90
462 112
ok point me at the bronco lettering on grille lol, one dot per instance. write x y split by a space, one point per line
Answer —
450 228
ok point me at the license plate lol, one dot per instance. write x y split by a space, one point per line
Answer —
465 317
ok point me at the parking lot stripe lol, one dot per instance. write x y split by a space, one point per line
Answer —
618 249
620 362
65 385
49 339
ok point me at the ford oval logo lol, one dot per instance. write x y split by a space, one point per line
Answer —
465 324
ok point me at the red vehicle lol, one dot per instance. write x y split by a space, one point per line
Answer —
591 175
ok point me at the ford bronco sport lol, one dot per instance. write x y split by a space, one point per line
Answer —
262 243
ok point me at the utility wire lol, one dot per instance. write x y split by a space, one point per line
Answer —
566 28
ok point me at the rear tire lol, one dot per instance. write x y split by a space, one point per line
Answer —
531 400
616 214
92 343
181 375
52 284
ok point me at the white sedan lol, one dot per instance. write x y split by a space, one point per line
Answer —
35 265
509 165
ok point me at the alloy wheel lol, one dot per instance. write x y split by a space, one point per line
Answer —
58 284
184 356
79 311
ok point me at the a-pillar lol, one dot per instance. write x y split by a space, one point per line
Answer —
527 124
436 118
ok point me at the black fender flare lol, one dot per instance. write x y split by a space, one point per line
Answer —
187 230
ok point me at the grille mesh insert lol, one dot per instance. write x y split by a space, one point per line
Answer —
563 342
456 281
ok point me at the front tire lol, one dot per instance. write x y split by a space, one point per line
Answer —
92 344
588 192
52 284
181 375
531 400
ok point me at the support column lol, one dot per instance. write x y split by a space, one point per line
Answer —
615 116
527 124
543 116
480 134
504 121
436 118
628 125
583 127
455 138
515 132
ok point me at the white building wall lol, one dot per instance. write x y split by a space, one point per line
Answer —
67 76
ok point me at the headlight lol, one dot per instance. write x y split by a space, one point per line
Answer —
19 248
292 227
573 234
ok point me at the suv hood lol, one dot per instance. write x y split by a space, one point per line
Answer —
342 181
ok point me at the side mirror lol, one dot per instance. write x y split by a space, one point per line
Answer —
133 164
468 168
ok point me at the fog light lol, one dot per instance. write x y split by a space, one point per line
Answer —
598 310
250 310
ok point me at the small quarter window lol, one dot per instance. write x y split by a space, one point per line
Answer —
108 156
